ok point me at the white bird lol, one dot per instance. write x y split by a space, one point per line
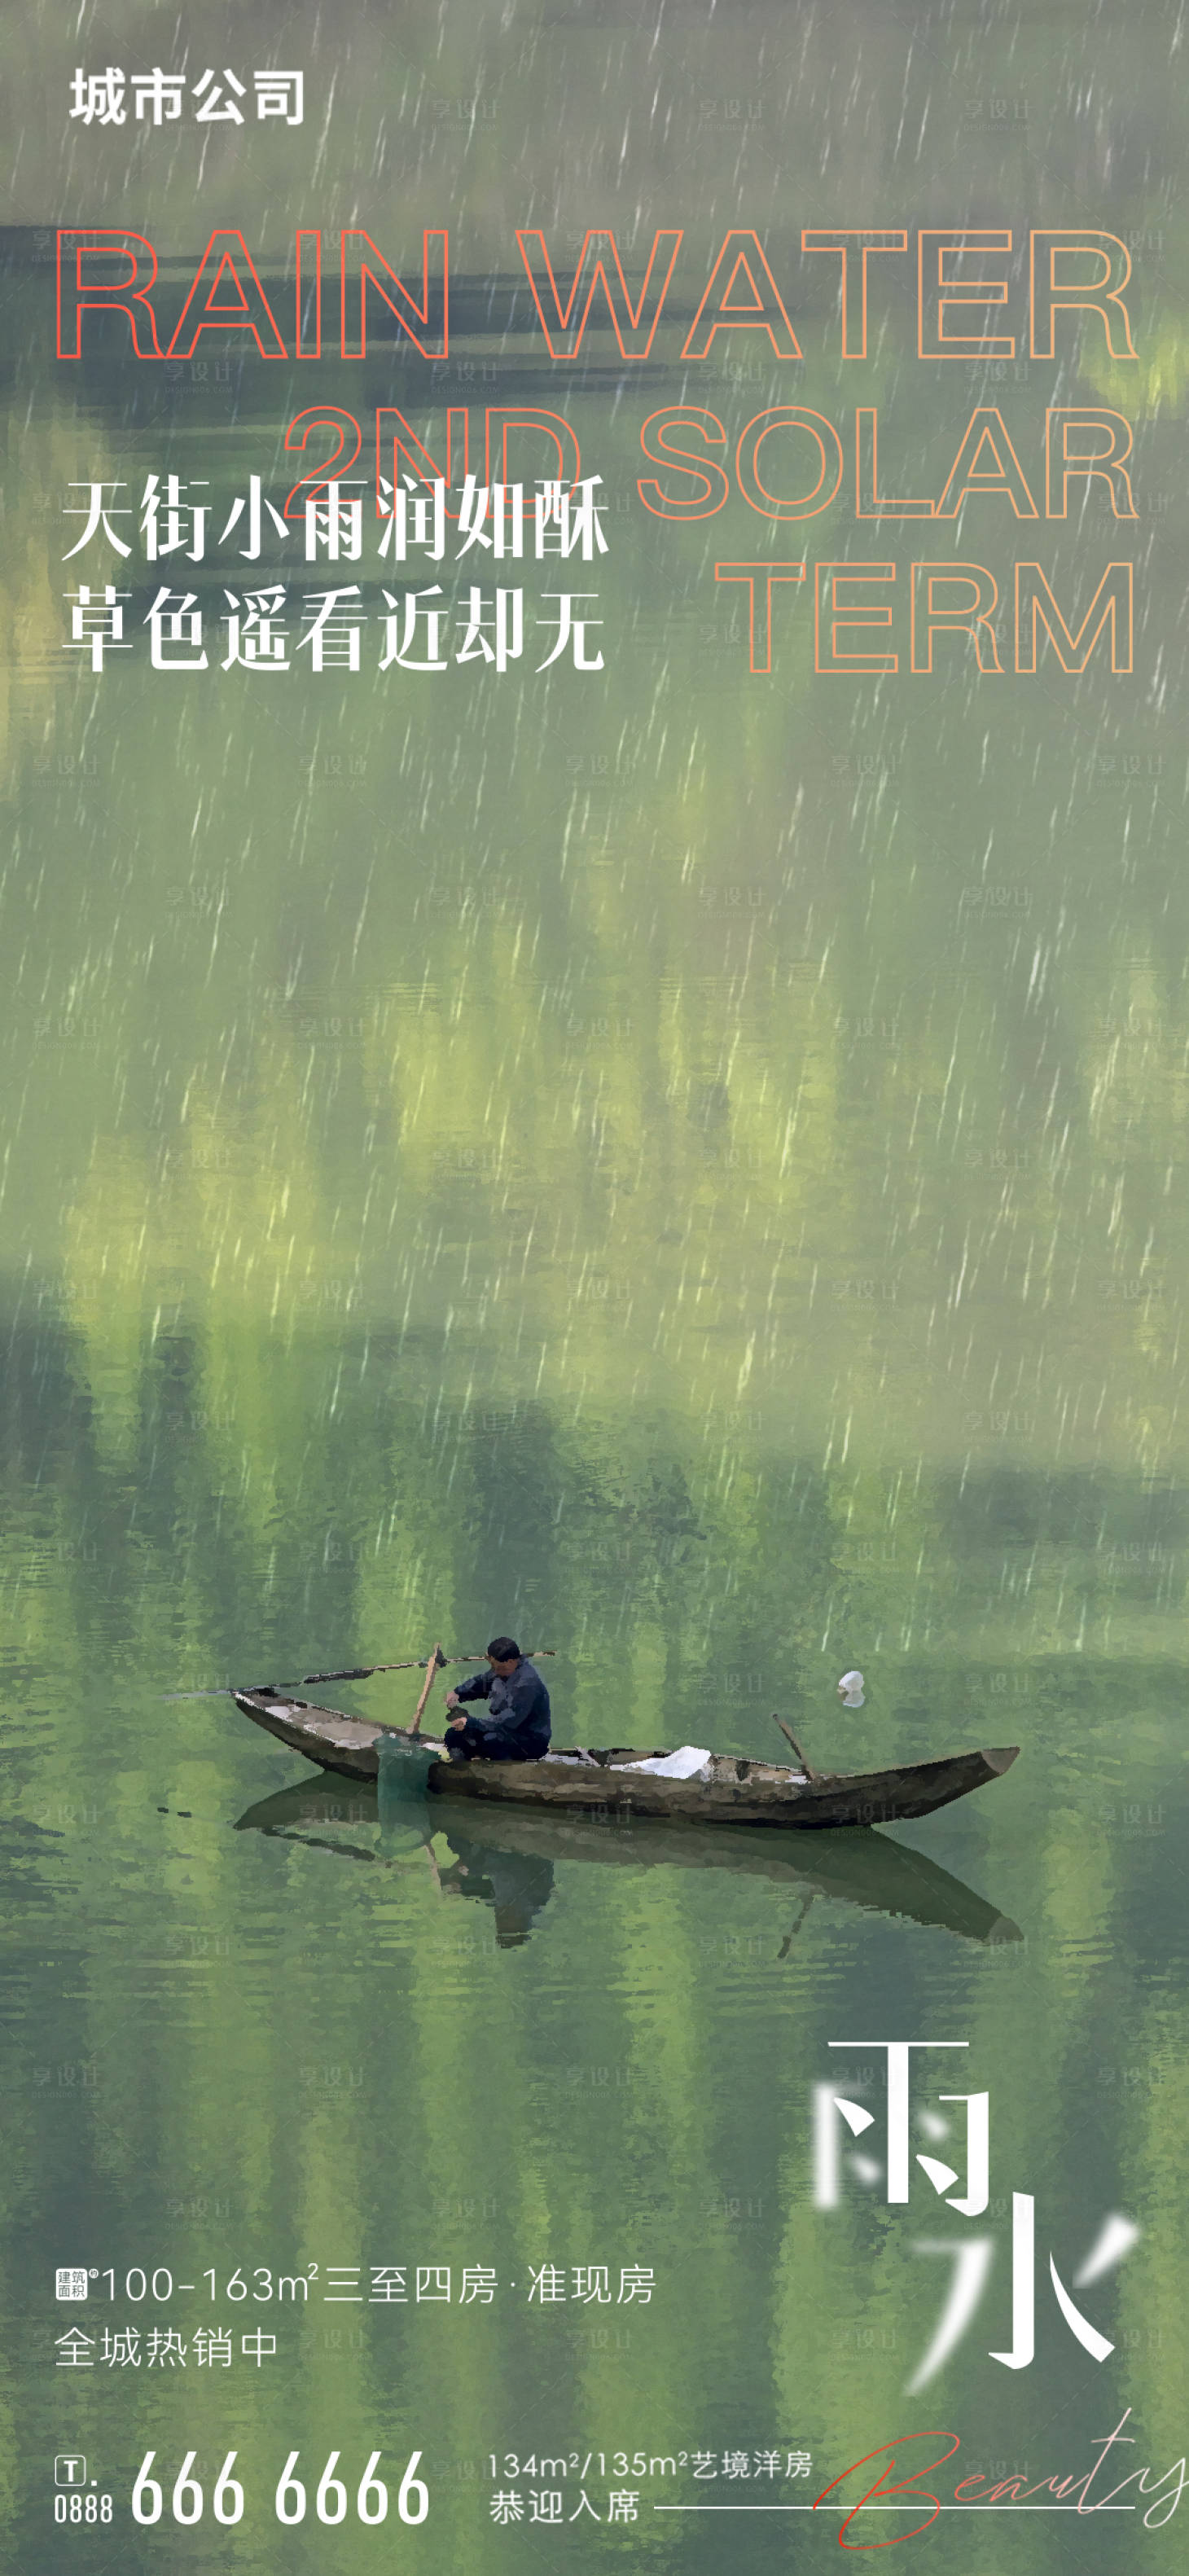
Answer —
850 1690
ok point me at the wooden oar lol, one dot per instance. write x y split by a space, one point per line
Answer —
435 1660
802 1758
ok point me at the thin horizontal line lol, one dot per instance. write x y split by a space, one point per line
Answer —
897 2508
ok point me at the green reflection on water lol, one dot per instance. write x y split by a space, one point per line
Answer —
694 1166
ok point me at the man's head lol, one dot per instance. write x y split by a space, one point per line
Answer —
503 1654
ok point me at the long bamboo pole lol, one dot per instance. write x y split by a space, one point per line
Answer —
349 1673
415 1663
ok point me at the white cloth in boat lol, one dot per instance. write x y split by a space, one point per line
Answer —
690 1762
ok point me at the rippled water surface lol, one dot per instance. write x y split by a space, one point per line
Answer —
689 1168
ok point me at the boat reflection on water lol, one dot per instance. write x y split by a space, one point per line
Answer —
326 1815
513 1870
516 1885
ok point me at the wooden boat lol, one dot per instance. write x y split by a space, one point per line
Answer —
866 1871
738 1792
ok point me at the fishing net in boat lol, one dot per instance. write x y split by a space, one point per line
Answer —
402 1777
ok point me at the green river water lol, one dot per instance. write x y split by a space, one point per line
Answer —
686 1166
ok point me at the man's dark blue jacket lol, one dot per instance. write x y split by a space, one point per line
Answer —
518 1709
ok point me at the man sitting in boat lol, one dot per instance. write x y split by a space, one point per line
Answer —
516 1728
